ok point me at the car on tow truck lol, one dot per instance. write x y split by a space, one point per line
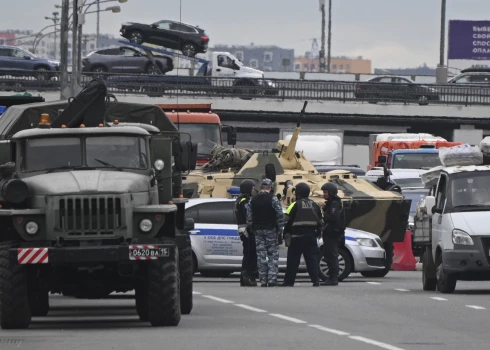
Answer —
217 248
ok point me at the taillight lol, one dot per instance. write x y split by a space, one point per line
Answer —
205 39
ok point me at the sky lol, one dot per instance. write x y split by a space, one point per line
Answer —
392 33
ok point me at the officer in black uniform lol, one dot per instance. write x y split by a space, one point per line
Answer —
334 232
249 261
304 223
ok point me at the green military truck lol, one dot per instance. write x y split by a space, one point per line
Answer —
90 204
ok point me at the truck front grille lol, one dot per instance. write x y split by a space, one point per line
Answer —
89 215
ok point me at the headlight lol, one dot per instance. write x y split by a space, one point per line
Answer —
32 228
461 237
159 164
367 242
54 62
410 226
146 225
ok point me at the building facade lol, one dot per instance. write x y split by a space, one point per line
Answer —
338 65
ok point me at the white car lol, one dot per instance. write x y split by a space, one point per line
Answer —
218 251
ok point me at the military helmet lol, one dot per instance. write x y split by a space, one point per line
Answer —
246 186
266 182
330 188
302 190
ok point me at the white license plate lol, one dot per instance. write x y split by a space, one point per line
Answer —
136 253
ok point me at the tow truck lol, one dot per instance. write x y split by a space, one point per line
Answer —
246 81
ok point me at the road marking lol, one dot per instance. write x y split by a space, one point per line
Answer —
401 290
476 307
251 308
373 283
218 299
287 318
439 298
330 330
374 342
196 293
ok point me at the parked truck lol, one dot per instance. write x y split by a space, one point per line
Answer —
91 203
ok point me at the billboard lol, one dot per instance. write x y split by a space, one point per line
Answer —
469 40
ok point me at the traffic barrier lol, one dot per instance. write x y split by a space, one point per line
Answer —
403 259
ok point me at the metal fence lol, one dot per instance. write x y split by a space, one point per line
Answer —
280 89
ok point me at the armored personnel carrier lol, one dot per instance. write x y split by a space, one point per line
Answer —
383 212
90 203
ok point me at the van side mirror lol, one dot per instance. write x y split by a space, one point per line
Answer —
382 159
5 151
430 204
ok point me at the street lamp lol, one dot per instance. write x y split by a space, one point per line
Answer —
322 50
441 70
55 20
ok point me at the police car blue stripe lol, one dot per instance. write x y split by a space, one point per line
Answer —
216 231
347 238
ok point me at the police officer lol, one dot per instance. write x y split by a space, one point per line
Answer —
334 232
304 223
266 219
249 262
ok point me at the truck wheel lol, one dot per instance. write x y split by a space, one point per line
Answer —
388 261
186 276
38 299
428 283
446 283
164 291
14 303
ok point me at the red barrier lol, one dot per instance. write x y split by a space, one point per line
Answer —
403 259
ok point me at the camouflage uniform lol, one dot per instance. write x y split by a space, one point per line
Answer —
267 240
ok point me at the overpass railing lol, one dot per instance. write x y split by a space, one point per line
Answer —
279 89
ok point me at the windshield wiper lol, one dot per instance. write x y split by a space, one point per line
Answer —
470 207
66 167
108 164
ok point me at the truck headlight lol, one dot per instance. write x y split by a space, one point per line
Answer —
366 242
159 164
32 228
146 225
462 238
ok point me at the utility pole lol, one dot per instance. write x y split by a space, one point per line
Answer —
65 89
81 22
55 20
98 25
329 61
322 51
441 71
75 73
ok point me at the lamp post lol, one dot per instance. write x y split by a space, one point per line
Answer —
441 71
55 20
322 50
329 59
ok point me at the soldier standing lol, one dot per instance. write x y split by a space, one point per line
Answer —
249 262
334 232
304 223
266 219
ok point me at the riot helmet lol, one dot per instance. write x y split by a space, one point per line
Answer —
247 186
302 190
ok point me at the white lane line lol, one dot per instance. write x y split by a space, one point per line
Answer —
476 307
325 329
251 308
373 283
218 299
196 293
439 298
287 318
376 343
401 290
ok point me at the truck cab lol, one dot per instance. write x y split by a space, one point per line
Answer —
422 158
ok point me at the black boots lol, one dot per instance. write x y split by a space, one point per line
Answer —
330 282
247 281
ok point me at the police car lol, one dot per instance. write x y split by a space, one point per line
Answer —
218 251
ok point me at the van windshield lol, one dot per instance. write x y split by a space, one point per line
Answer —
470 191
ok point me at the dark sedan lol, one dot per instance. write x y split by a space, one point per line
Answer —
395 89
125 60
188 39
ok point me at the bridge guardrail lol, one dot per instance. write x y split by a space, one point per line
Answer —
341 91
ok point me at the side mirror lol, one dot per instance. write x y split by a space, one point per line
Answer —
430 204
189 224
186 159
26 57
270 172
5 151
382 159
154 25
231 136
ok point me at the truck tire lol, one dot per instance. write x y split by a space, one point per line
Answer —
446 283
186 277
163 294
38 299
388 262
14 303
428 283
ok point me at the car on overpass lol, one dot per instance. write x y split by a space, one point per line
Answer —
16 61
394 88
217 248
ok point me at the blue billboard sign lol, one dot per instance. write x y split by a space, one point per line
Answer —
469 40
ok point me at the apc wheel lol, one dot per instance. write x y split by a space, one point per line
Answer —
446 283
14 303
429 284
345 265
164 291
388 261
136 37
186 276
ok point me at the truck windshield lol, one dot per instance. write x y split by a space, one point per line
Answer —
470 191
416 160
125 152
206 136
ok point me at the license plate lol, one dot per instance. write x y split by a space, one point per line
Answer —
147 252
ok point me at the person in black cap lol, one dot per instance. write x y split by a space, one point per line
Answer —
266 219
249 261
304 223
334 232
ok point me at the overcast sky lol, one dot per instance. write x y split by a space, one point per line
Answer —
392 33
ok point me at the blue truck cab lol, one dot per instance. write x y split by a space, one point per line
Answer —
421 158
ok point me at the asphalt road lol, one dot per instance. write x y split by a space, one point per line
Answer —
390 313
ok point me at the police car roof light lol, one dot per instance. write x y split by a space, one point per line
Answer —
234 191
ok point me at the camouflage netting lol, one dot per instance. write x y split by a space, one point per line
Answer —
227 158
